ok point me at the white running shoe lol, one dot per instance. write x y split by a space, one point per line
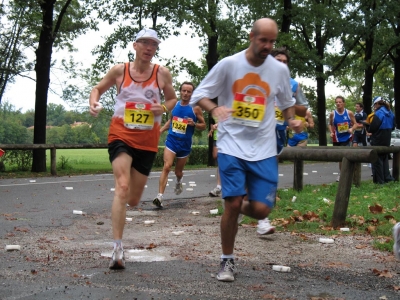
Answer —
215 192
178 188
265 227
118 259
158 201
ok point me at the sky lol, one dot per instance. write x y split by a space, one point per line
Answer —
21 94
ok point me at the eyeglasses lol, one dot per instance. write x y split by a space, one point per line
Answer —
148 43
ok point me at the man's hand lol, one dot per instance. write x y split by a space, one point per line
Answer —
221 113
296 125
157 109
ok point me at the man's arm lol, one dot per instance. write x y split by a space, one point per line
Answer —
310 119
301 105
168 89
331 126
353 122
166 126
288 114
200 124
111 78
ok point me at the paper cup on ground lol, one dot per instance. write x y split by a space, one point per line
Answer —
344 229
148 222
195 213
13 247
326 241
128 219
77 212
281 268
214 211
177 232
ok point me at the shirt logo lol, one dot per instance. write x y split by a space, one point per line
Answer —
149 94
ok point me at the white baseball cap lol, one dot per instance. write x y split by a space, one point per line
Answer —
146 33
376 100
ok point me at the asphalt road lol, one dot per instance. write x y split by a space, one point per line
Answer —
50 199
60 258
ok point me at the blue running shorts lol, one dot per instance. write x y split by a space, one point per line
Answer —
181 147
260 177
297 139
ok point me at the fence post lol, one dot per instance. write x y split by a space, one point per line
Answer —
357 174
298 175
343 193
396 166
53 161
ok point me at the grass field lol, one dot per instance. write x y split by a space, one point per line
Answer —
95 160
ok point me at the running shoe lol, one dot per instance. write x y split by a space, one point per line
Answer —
158 201
118 259
215 192
396 238
227 269
265 227
178 188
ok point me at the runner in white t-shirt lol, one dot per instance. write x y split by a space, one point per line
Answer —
247 85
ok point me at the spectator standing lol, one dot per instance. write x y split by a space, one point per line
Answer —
381 127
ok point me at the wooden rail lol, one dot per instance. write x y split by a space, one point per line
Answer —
351 158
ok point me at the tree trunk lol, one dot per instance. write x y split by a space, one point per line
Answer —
287 16
397 77
212 60
42 68
368 74
321 100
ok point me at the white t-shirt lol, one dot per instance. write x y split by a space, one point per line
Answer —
248 140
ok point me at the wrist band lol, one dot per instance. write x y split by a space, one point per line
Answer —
165 108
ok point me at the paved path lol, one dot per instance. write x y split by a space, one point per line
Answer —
64 256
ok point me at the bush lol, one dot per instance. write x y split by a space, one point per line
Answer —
21 158
63 163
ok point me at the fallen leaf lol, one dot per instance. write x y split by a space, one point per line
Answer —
151 246
376 209
361 246
22 229
384 273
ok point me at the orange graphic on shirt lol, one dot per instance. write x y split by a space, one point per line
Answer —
251 84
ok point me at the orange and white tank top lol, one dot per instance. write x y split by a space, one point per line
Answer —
133 122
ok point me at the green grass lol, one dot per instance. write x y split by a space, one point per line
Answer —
310 214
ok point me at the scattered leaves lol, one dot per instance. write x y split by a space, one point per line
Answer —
384 273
